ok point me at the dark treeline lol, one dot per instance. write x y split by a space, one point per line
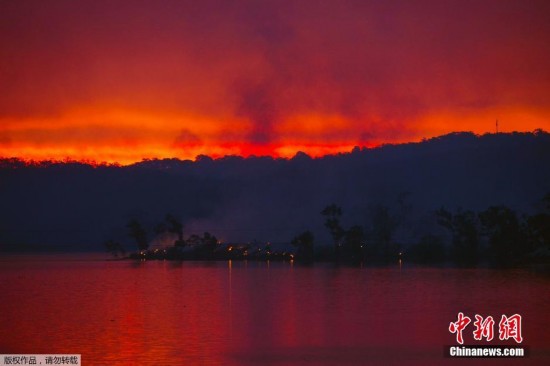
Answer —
386 195
497 236
195 247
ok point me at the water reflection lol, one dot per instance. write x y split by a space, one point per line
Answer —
239 313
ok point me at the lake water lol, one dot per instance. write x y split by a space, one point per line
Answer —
239 313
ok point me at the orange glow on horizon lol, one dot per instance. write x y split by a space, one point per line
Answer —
114 135
156 81
510 119
129 153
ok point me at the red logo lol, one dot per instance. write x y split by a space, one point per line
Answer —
484 328
508 327
458 326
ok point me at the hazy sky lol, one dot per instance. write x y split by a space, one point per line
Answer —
125 80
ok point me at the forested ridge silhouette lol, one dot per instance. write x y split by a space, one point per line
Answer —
72 206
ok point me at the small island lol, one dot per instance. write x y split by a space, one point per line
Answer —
497 236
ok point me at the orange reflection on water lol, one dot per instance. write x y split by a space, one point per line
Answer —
249 313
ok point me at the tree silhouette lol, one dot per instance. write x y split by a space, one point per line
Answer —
138 233
383 227
304 244
465 234
506 239
538 228
353 243
173 226
205 246
209 242
194 240
430 249
115 248
333 213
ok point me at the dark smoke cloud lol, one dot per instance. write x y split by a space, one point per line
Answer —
381 66
258 105
186 139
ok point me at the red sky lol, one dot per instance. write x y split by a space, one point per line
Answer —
126 80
